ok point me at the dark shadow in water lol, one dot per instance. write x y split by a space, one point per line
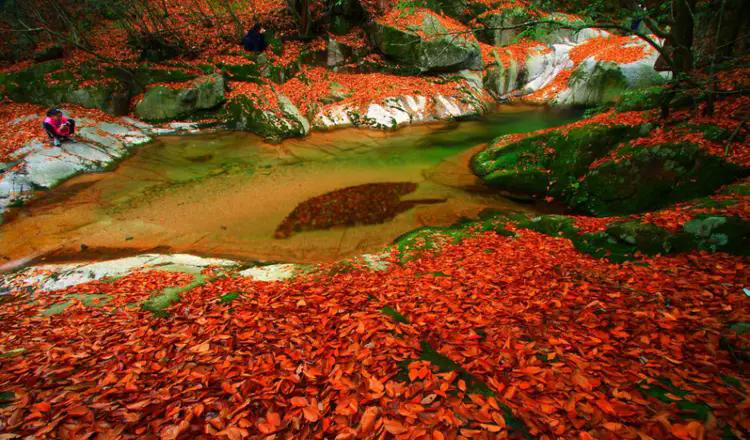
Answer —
366 204
200 159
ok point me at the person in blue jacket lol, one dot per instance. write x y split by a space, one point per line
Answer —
254 41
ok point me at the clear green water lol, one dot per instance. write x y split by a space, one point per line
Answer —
224 194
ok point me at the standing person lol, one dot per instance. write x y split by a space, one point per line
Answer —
254 41
58 127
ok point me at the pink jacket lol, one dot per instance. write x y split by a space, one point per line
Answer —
57 127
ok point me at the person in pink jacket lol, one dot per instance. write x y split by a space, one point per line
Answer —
58 127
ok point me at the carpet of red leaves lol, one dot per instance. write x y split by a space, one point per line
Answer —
569 343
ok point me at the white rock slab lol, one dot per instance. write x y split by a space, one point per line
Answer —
61 276
273 272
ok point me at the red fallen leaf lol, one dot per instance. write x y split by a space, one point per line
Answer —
582 381
547 409
270 424
266 428
138 405
298 402
273 418
394 426
530 370
491 428
612 426
311 411
42 407
376 386
78 411
201 348
605 406
368 420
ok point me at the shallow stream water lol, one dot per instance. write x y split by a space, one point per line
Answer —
226 194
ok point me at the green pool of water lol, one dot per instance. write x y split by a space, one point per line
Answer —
224 194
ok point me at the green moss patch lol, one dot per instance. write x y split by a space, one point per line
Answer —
6 398
159 303
88 300
229 297
666 392
395 315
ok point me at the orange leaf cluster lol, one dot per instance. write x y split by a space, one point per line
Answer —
414 19
621 50
517 52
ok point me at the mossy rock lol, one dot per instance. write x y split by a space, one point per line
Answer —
550 224
30 84
559 28
251 113
143 76
437 50
648 178
336 92
281 73
647 238
717 233
492 27
592 83
241 72
548 163
462 10
162 103
640 99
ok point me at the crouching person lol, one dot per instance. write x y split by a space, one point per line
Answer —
58 127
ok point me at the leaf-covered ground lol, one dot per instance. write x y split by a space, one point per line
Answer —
490 337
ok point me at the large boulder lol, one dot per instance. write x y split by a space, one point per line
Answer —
549 163
49 84
423 40
640 178
650 177
596 82
163 103
273 122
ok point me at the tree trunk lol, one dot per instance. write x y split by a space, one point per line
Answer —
735 22
681 35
